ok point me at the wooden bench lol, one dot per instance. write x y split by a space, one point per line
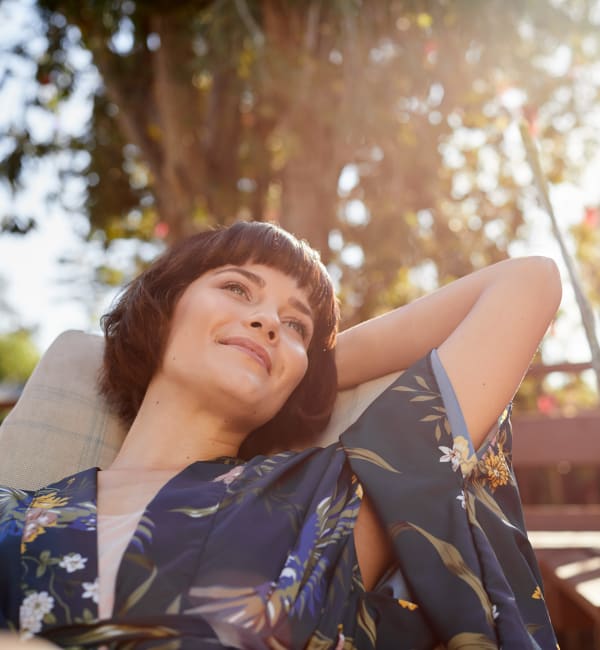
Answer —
566 537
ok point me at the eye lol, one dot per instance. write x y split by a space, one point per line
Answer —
237 288
298 326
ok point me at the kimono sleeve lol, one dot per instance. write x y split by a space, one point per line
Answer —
453 515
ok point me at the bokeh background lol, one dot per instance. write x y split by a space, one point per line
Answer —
386 133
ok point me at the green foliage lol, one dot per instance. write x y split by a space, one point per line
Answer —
18 356
587 238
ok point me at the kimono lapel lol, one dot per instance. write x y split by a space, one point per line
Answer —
158 566
60 569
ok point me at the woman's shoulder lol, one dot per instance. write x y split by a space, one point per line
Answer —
290 460
14 497
292 474
11 497
419 406
405 393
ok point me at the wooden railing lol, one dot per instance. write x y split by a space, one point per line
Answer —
565 536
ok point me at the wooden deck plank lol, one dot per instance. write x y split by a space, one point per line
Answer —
576 573
575 517
548 441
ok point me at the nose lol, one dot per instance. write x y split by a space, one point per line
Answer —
267 325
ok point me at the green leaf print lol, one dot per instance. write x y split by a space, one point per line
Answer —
472 641
359 453
422 382
196 513
453 561
137 594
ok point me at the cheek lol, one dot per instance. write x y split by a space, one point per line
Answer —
296 367
299 366
199 316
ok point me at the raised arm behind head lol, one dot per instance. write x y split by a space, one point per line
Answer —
486 326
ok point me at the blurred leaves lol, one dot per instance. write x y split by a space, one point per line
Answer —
16 225
204 112
18 356
587 240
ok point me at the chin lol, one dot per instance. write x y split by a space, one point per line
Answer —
250 408
254 395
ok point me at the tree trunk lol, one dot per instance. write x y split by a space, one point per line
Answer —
309 178
182 174
310 191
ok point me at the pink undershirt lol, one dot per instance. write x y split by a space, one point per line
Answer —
114 534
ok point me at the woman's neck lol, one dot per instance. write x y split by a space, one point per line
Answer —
171 431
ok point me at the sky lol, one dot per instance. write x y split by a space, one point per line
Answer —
39 290
44 294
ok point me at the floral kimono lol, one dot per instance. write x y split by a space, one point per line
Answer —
261 554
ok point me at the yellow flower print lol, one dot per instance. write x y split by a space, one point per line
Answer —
496 469
537 594
49 501
407 604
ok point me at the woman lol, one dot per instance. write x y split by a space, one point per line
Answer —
401 536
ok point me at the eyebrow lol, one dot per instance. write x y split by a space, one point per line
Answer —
300 305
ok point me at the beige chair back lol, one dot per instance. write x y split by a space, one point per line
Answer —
61 425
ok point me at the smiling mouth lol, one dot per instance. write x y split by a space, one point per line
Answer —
251 348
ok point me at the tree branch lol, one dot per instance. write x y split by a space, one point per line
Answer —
587 314
258 37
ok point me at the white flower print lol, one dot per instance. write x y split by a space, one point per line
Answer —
91 590
230 476
495 612
450 456
460 456
461 499
33 609
72 562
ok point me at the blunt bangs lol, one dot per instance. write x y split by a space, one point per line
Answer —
267 244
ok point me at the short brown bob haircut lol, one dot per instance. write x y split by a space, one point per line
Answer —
137 327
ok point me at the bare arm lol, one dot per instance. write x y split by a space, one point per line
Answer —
486 327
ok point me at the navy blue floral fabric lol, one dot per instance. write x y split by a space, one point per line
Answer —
261 554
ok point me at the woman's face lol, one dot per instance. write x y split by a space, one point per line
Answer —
238 342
